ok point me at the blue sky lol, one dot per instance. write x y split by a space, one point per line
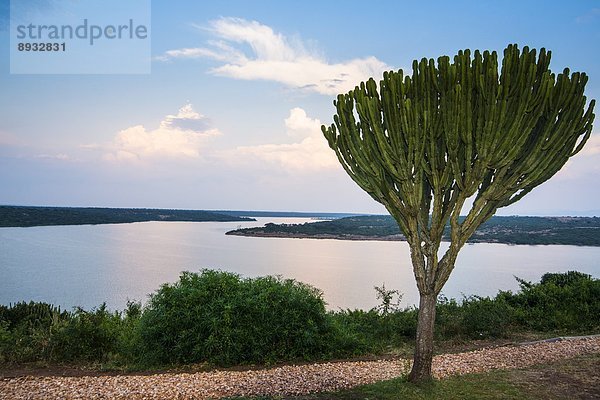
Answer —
229 116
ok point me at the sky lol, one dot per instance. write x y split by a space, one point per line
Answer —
229 115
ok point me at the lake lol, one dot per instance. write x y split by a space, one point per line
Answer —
86 265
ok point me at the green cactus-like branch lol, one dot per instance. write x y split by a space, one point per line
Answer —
422 145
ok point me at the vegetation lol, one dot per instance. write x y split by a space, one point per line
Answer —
21 216
284 214
455 132
578 231
221 319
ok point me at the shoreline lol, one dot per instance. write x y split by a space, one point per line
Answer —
390 238
282 235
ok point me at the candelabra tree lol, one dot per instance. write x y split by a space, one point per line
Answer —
457 136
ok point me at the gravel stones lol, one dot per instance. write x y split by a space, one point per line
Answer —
285 380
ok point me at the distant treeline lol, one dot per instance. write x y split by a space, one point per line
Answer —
579 231
286 214
20 216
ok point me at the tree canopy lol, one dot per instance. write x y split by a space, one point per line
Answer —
452 133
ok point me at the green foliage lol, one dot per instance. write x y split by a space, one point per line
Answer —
577 231
474 318
372 332
27 330
564 279
219 317
387 299
422 144
41 332
87 336
44 216
6 341
566 301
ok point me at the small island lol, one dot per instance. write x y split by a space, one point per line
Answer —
577 231
24 216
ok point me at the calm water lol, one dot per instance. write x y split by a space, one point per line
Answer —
87 265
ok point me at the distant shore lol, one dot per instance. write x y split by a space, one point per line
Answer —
28 216
285 235
571 231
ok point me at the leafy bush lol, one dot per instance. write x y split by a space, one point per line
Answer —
87 336
564 279
26 330
41 332
219 317
5 341
448 318
483 317
565 301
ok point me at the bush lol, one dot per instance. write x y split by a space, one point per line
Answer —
374 331
5 341
448 318
41 332
87 336
25 330
484 317
566 301
564 279
221 318
474 318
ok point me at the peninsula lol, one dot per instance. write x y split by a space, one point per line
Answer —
578 231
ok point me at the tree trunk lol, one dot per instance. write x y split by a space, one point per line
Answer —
421 370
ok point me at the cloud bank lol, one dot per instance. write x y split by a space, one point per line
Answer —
178 136
309 153
273 57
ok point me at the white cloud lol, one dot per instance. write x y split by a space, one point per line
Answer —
274 57
178 136
309 153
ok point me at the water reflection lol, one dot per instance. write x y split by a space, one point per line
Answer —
86 265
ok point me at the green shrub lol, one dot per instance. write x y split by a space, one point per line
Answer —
32 314
448 318
6 341
27 330
128 336
483 317
86 336
374 331
219 317
564 279
565 301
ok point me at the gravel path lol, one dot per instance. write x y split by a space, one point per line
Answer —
286 380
